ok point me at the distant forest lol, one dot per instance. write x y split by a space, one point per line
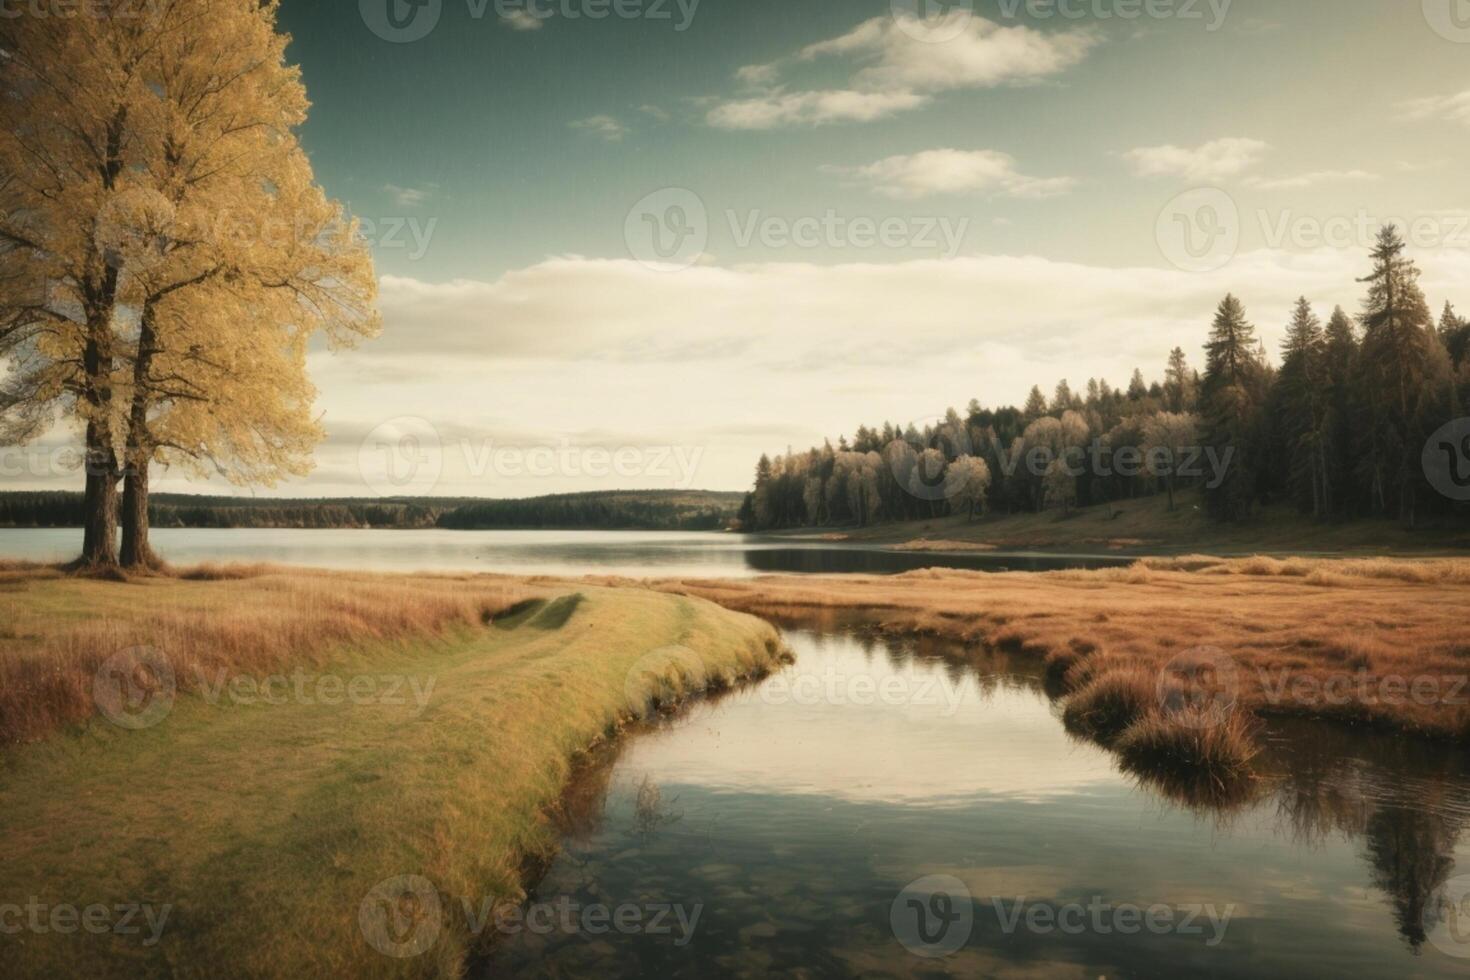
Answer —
1342 428
630 510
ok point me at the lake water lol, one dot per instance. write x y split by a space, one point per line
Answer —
632 553
879 803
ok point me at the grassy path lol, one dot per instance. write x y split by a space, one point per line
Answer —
262 829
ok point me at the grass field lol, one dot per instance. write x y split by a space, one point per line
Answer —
1147 526
252 827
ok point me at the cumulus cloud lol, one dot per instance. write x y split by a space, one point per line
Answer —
898 63
608 127
409 197
1455 108
1216 160
521 20
792 108
1094 320
1303 181
948 171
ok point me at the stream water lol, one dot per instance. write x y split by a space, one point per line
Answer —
891 808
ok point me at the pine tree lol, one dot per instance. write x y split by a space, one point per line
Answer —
1340 355
1230 409
1299 413
1137 387
1035 404
1394 379
1180 393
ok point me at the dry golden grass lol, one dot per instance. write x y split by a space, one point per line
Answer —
1341 639
1108 704
58 630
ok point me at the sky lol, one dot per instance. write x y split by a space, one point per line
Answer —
635 244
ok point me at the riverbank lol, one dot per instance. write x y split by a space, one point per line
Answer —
1167 661
304 773
1146 526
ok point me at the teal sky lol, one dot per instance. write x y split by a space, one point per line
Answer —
479 115
1060 197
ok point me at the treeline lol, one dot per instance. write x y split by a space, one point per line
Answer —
630 510
60 509
1356 421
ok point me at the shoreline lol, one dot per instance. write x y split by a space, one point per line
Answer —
1172 662
288 811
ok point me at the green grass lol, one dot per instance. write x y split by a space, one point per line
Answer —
264 827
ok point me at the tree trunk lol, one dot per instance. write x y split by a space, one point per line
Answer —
136 551
99 528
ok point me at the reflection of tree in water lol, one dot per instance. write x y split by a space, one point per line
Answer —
1411 853
1406 800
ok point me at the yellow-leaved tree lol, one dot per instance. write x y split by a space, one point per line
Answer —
227 260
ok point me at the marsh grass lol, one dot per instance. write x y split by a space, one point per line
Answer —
1125 646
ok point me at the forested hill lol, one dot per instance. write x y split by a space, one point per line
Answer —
1362 417
621 510
694 510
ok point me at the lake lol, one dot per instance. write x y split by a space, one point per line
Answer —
909 808
632 553
882 803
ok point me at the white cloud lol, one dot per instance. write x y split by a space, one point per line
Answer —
607 127
409 197
795 351
898 63
1455 108
521 20
1215 160
657 112
815 108
1302 181
948 171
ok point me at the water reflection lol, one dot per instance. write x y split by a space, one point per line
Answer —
794 813
635 554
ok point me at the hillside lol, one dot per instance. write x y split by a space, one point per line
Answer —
1147 526
632 510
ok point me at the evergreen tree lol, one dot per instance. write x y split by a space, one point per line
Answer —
1340 356
1035 404
1299 410
1180 392
1229 403
1394 380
